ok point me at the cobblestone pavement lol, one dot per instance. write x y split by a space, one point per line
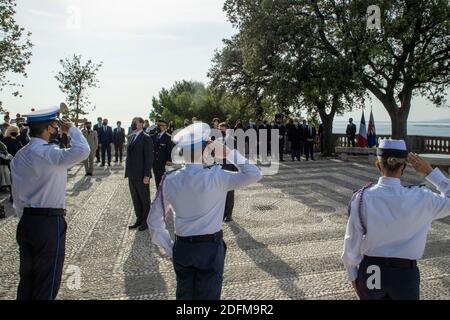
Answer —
285 242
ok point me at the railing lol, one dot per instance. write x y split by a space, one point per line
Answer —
418 144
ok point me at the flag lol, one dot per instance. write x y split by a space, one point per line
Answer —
371 132
362 136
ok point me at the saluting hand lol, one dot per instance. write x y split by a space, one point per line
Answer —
422 167
65 124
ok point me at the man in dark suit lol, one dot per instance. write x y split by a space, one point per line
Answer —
295 136
97 128
162 150
309 134
138 170
351 133
281 134
264 126
105 138
119 141
229 202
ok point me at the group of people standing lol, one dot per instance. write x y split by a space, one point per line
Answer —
387 226
296 138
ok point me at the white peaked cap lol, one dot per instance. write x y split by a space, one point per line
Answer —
194 135
392 148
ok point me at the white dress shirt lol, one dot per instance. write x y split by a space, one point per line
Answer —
39 172
196 196
397 220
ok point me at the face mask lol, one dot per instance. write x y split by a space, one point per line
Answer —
14 134
88 127
134 126
54 135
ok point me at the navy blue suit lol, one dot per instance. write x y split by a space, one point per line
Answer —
105 138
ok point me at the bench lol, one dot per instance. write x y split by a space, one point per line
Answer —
442 161
343 152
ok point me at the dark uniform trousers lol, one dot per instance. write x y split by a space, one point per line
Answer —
199 269
396 283
140 195
158 172
41 242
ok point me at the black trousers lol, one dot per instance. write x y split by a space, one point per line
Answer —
229 205
281 149
97 154
158 172
106 148
395 283
140 195
41 242
351 141
309 149
118 152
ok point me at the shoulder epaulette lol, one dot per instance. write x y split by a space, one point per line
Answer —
172 171
210 166
415 185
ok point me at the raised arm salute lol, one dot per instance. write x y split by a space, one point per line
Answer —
196 195
39 177
388 226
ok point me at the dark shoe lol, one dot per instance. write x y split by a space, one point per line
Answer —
109 164
143 227
134 226
228 219
102 165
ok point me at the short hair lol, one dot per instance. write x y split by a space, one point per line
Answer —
224 124
88 122
119 122
139 119
37 128
215 119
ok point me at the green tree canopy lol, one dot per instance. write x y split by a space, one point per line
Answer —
15 45
75 79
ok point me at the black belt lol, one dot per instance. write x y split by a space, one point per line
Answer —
49 212
201 238
392 262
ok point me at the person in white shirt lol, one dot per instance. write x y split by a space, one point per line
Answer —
196 195
39 177
388 226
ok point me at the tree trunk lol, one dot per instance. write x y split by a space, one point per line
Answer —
399 118
399 124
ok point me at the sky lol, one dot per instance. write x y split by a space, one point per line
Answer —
144 45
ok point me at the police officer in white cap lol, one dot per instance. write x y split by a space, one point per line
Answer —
196 196
39 177
388 225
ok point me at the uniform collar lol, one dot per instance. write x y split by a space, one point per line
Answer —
388 181
38 140
194 166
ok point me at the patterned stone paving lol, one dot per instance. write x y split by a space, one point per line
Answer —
285 242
